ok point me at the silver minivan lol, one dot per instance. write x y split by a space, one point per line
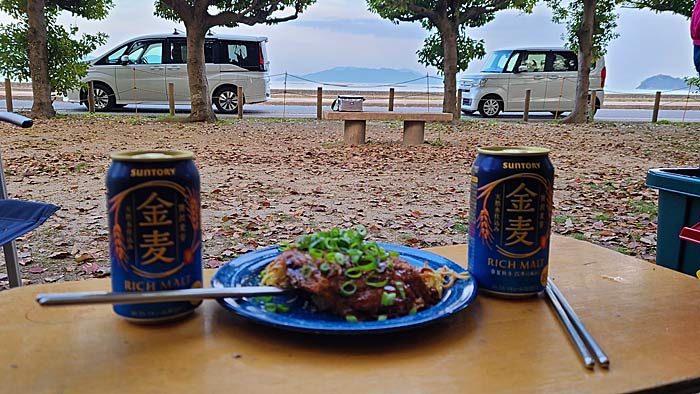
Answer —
550 74
139 71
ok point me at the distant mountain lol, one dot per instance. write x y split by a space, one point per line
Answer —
364 75
662 82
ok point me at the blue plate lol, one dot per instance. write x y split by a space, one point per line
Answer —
244 271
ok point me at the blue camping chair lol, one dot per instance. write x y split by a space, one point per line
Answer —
17 217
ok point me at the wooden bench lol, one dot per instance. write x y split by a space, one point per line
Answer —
355 124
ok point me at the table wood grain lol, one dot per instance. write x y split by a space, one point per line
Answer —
646 317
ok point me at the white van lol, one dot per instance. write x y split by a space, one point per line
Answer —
139 71
549 73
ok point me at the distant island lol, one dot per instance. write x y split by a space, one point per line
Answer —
363 75
663 82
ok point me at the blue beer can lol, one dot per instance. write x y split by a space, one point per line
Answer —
510 214
153 200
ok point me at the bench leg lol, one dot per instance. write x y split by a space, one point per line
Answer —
413 132
354 133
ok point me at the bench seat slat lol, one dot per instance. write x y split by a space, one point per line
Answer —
369 115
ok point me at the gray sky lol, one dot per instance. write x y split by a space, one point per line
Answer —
343 33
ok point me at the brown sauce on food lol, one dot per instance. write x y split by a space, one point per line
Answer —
367 291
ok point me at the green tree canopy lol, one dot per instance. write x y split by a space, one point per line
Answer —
448 47
201 15
51 55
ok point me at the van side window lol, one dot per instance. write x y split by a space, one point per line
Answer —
146 52
245 54
114 57
510 66
534 61
178 52
564 61
153 54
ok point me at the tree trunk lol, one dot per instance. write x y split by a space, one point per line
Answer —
197 73
448 35
585 56
39 60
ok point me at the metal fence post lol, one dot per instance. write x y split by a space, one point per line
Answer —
8 95
526 114
319 103
657 104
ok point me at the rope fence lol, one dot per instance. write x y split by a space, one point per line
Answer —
408 93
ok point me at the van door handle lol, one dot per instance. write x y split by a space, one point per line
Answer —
172 67
538 78
156 68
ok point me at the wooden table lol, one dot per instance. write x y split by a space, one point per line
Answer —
355 124
647 318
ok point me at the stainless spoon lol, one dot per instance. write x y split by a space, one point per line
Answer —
103 297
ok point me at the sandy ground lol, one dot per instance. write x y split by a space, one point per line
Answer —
270 180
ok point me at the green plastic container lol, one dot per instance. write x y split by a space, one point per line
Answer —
678 237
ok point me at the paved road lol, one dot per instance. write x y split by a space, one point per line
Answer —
298 111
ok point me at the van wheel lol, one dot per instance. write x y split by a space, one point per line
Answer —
104 98
490 106
226 99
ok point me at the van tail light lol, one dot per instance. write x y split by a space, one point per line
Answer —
603 73
262 60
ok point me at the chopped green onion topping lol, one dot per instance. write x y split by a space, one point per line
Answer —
413 311
400 288
351 319
394 254
376 284
316 253
388 298
271 307
381 317
324 268
307 271
353 272
348 288
281 308
336 244
264 298
368 267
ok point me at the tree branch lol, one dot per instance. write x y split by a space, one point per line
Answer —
475 12
183 10
249 17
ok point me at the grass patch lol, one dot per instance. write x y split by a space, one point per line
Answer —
437 143
461 227
623 250
561 219
603 216
645 207
578 236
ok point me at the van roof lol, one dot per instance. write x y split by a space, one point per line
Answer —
214 35
534 49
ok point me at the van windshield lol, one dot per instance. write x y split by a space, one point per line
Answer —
496 62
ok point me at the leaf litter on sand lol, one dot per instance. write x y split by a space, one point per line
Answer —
266 182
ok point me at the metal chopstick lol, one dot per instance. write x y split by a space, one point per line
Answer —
600 355
573 334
